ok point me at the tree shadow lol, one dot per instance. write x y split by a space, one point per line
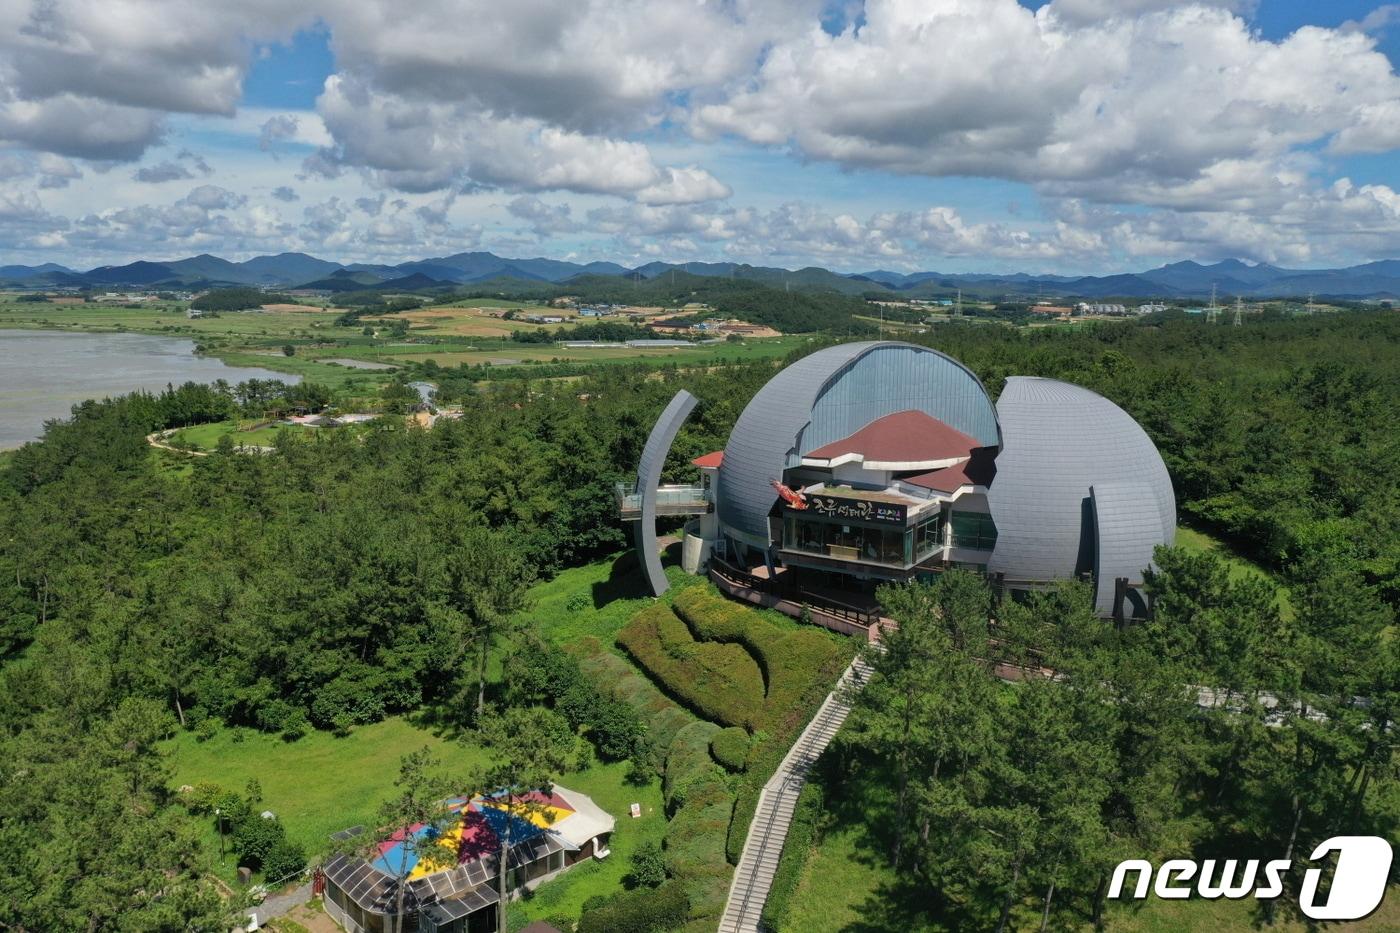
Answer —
625 581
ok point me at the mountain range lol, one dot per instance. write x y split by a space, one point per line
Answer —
1186 279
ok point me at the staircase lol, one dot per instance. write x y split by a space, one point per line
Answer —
764 844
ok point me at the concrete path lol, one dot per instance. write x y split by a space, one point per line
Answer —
275 905
753 877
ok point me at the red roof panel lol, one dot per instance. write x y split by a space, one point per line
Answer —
978 470
902 437
709 461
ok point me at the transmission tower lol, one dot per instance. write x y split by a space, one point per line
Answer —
1239 310
1213 310
957 305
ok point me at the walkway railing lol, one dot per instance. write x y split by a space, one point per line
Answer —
779 589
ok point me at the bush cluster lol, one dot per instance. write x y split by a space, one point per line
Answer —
644 910
700 805
730 747
543 673
261 843
620 680
800 666
720 682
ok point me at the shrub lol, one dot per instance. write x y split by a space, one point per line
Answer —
647 868
689 762
206 730
542 673
618 679
285 859
730 747
720 682
255 839
203 798
645 910
799 666
700 806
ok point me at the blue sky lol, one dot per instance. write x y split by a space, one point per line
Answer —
962 135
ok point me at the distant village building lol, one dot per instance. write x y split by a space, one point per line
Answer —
1102 309
1056 310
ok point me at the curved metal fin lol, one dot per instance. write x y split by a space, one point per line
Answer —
663 434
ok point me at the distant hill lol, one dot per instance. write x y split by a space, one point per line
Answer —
477 269
287 267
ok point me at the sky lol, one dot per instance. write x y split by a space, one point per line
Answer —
1069 136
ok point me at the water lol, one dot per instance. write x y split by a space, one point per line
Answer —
43 374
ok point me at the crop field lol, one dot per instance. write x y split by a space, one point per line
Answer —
255 338
170 320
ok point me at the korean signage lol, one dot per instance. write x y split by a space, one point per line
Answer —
858 510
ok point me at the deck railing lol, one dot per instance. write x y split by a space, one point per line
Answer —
782 590
675 499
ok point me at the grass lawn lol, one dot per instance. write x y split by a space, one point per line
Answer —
206 436
318 784
564 896
1198 542
596 599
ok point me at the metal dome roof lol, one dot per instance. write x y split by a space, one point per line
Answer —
830 395
1079 487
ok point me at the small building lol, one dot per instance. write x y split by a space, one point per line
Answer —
457 894
1056 310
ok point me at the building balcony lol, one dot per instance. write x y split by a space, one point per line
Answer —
674 499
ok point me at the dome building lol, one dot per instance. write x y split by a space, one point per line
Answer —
881 461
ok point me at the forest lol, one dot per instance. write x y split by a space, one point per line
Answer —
341 579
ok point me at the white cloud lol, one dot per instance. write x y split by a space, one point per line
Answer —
545 220
95 78
1123 108
420 146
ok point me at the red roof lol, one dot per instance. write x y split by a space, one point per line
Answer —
709 461
905 437
978 470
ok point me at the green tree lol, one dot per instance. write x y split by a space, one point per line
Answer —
420 799
531 746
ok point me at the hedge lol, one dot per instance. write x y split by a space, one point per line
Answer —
645 910
730 747
689 762
696 790
720 682
611 674
799 666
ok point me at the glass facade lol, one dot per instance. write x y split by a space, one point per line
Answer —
894 546
974 530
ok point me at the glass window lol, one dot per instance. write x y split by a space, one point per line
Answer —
928 536
974 530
